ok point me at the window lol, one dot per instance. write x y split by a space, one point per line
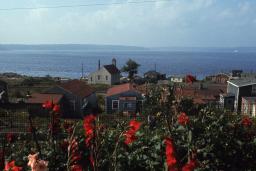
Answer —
91 78
98 77
253 89
106 77
115 104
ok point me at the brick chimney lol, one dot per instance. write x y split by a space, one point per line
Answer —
99 64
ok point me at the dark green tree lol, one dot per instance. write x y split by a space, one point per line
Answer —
131 67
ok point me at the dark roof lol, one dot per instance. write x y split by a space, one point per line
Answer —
112 69
78 88
251 99
38 98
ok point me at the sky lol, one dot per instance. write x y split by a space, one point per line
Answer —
173 23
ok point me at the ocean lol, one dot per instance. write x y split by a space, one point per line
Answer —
68 63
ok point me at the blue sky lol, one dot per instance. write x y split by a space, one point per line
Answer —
201 23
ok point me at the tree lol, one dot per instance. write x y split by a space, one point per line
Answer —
131 67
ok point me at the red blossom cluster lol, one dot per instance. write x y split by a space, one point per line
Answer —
246 121
171 160
12 167
50 106
183 119
130 136
190 166
89 127
54 126
169 152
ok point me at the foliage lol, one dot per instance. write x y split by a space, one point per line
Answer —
209 140
131 67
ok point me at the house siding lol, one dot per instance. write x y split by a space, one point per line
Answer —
73 104
102 72
133 107
239 92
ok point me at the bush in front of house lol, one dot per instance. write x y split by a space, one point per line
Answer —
212 140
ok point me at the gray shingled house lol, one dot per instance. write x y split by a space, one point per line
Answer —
241 88
107 74
79 99
123 98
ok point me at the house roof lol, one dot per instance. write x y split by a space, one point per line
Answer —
250 99
242 82
112 69
201 96
120 89
78 88
152 73
38 98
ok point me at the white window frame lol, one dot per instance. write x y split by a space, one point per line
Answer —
113 104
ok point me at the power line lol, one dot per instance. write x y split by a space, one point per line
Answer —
82 5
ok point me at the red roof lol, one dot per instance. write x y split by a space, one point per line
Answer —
38 98
201 96
120 89
78 88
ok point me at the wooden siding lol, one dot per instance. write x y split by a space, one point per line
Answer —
103 73
73 104
133 107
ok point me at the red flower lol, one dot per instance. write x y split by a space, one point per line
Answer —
130 133
183 119
134 125
190 166
47 105
9 137
76 168
190 79
169 152
246 121
56 108
89 128
11 167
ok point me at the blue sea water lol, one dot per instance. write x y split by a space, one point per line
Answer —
67 63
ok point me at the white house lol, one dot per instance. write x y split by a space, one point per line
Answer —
107 74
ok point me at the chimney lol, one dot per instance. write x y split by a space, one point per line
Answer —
99 64
114 61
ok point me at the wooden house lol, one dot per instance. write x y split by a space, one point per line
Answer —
123 98
79 98
107 74
241 88
36 100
